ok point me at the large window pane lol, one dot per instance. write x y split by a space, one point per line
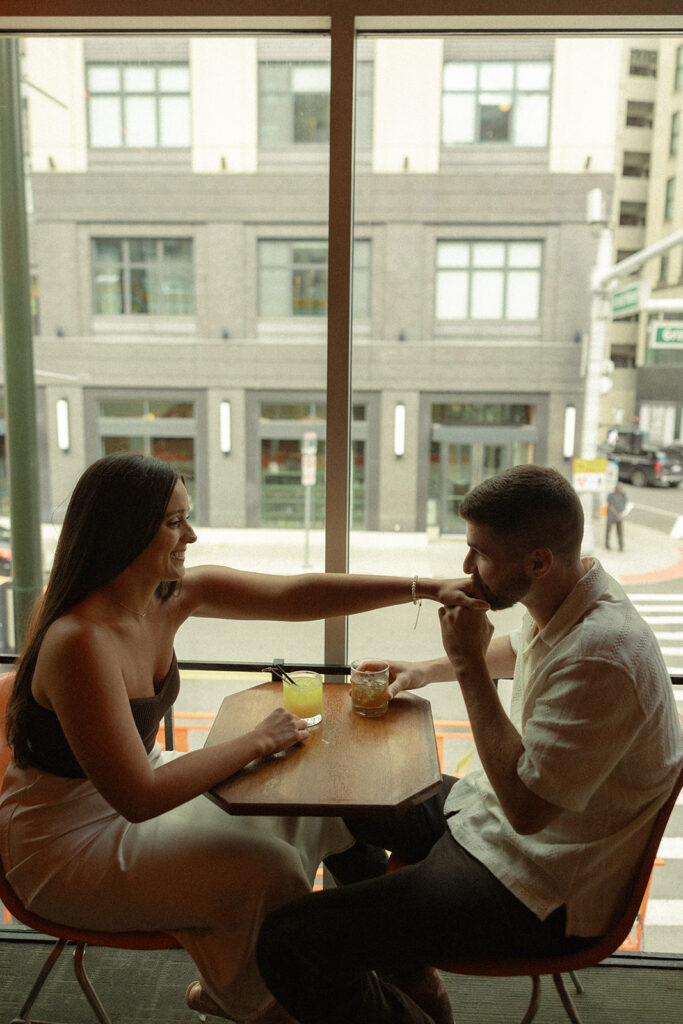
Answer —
179 230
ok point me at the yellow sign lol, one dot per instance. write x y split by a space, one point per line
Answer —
589 466
589 474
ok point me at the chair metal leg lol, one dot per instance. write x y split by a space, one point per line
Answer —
84 981
52 959
532 1008
577 983
567 999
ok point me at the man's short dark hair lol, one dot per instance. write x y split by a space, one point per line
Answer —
532 507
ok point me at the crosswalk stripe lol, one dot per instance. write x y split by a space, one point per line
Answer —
660 611
671 848
664 912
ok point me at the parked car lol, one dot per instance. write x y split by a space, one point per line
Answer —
5 551
649 466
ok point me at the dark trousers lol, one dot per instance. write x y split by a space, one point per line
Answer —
319 954
620 531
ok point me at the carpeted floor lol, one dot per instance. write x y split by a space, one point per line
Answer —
148 988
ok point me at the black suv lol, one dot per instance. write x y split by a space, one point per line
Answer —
649 466
642 464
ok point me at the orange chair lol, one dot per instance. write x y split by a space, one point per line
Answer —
63 933
569 963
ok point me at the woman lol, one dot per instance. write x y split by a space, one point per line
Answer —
103 829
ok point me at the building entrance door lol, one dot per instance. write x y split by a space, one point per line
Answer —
457 467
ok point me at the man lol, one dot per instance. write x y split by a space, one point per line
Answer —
533 854
616 508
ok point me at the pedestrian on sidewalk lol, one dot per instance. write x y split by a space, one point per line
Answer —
616 510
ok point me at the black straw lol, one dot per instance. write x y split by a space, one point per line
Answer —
280 672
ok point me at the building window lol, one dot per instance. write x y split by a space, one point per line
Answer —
643 62
678 69
139 105
632 214
636 165
293 278
675 132
294 103
164 427
283 426
495 101
664 268
639 114
669 196
151 276
488 280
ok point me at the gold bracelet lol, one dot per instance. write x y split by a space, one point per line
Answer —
416 600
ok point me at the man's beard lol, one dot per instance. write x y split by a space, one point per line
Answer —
508 593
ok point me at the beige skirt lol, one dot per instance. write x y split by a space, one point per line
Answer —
206 876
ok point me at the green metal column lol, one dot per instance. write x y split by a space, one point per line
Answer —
20 403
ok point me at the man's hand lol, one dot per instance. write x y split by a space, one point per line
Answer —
466 633
412 675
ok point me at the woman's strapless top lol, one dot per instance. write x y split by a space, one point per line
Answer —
50 751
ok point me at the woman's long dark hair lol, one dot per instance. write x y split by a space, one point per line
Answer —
115 511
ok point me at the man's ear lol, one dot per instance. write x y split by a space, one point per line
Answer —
539 562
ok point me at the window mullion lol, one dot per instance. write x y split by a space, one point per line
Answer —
340 215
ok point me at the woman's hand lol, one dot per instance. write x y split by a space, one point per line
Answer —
279 731
462 593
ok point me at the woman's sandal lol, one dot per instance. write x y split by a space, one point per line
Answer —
202 1003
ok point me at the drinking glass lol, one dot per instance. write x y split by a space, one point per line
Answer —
369 682
304 699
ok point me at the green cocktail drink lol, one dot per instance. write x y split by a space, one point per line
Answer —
306 698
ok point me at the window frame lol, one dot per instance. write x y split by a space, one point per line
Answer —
669 198
678 69
473 268
127 265
121 94
343 19
479 90
674 132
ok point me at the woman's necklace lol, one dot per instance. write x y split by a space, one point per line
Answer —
140 615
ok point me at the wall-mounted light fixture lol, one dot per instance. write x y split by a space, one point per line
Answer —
569 438
63 432
225 428
400 429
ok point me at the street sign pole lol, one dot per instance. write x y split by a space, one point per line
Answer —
309 471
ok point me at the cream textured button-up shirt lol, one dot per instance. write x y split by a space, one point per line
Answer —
593 702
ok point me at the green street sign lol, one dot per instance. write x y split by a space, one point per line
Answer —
667 335
626 301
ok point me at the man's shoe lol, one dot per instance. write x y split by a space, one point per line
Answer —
426 988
